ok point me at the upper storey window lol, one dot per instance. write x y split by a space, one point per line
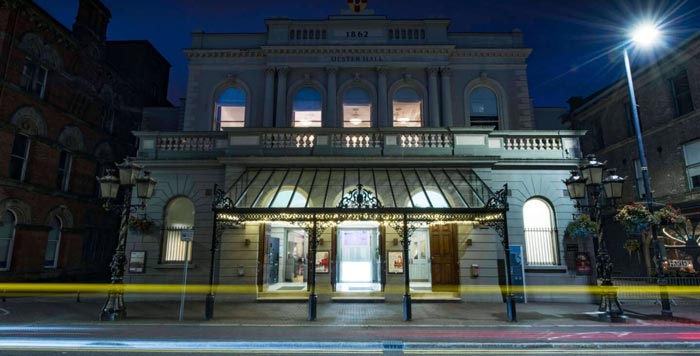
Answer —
230 108
484 107
408 108
307 108
357 108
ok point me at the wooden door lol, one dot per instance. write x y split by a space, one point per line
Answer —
443 255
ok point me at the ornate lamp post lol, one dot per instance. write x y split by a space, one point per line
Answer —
586 186
114 308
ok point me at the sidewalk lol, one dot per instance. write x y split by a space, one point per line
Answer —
63 310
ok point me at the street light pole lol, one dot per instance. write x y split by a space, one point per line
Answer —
665 304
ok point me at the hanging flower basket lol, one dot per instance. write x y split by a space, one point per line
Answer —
582 227
142 225
631 245
635 217
669 216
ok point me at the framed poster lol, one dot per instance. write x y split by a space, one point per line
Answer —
137 262
395 262
322 262
583 264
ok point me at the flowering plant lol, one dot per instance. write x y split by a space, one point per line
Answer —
632 245
669 215
142 225
635 217
582 227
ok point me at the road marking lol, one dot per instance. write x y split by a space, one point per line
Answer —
4 312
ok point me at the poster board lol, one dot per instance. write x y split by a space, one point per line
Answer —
517 272
137 262
395 259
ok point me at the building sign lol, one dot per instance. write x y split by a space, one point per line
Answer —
680 263
342 59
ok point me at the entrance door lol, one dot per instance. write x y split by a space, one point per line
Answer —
443 255
419 260
358 263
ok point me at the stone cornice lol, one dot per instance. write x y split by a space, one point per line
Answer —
444 50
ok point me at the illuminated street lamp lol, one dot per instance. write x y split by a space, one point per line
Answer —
114 308
587 185
645 35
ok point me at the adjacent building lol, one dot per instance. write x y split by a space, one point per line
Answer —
668 98
69 100
356 129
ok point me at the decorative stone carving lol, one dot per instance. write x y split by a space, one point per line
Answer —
22 210
29 121
72 138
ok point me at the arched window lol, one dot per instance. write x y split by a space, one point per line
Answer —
437 200
8 221
53 244
179 216
230 108
541 243
357 108
282 199
307 108
484 107
408 108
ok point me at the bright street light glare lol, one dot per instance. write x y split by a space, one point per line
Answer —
645 34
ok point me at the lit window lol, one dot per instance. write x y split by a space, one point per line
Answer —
8 221
307 108
230 108
179 216
408 108
53 243
681 94
437 200
284 199
484 108
33 78
541 243
691 153
65 163
357 108
19 157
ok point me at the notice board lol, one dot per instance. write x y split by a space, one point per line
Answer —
517 272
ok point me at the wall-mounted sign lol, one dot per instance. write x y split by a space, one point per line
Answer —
583 263
137 262
517 272
680 263
342 59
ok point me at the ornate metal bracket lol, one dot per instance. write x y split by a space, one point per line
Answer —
360 198
397 225
499 199
221 200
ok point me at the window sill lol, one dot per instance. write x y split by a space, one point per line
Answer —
545 269
175 266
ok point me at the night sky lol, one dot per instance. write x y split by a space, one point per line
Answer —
576 43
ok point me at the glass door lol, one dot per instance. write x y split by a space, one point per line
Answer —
358 260
285 259
419 261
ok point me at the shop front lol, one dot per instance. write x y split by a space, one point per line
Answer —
357 233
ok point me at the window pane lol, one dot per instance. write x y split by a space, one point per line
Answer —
18 157
52 244
19 147
7 231
681 91
408 108
307 108
231 108
541 243
692 152
357 108
484 103
179 215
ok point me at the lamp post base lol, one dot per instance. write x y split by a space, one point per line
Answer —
114 308
510 308
610 308
209 307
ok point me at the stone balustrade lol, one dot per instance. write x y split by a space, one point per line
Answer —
475 142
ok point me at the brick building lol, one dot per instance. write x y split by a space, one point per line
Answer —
668 96
69 100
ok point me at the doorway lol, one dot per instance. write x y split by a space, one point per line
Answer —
419 261
358 266
284 258
444 268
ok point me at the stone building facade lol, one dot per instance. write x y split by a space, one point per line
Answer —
668 98
300 116
69 100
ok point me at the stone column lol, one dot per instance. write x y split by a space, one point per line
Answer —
281 119
383 103
446 97
331 102
434 102
268 110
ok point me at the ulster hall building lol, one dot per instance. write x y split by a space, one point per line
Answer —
358 158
